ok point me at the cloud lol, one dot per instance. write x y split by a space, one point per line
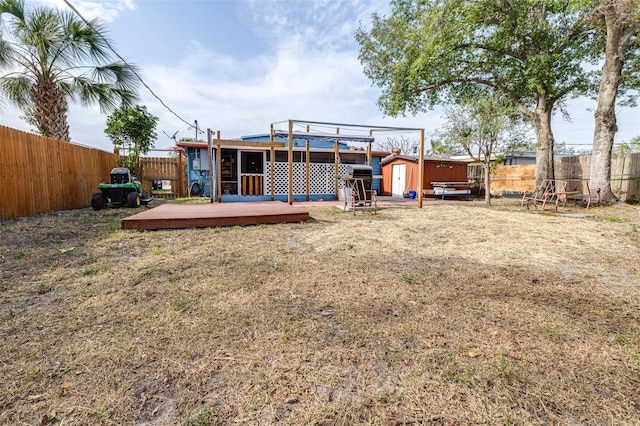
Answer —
308 71
296 80
106 10
325 24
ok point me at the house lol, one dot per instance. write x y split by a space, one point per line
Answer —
256 167
509 158
400 173
519 158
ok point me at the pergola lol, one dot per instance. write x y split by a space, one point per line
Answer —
345 132
327 131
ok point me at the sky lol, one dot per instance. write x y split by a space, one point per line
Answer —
236 66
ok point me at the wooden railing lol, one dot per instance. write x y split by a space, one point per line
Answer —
252 185
171 169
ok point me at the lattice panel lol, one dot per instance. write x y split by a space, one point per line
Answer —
321 178
281 172
342 171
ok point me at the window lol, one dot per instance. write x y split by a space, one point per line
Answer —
353 159
283 156
228 159
321 157
251 162
229 174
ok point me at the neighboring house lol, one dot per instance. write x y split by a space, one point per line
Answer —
510 158
519 158
400 173
245 173
471 161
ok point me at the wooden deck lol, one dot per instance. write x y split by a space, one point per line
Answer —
174 216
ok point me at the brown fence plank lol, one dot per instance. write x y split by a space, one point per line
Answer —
625 183
514 178
165 168
39 175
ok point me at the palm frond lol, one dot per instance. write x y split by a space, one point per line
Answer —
84 42
106 95
17 89
6 52
65 56
41 36
66 87
119 74
13 7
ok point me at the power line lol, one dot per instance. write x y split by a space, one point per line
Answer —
132 69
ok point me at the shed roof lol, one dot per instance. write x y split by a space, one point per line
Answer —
415 159
186 144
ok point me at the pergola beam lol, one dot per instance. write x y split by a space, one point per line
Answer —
254 144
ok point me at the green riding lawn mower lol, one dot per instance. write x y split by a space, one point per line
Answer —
123 189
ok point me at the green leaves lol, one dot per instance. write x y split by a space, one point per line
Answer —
532 52
133 129
423 54
50 54
483 125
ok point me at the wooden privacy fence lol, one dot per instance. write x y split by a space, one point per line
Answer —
173 169
513 178
39 175
625 175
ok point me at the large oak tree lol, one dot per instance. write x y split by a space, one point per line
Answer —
433 51
618 22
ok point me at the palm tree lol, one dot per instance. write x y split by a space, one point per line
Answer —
52 56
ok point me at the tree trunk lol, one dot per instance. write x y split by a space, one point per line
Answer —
50 108
603 136
618 39
544 142
487 186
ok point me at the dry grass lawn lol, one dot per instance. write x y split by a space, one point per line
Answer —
453 314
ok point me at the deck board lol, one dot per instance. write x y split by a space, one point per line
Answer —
175 216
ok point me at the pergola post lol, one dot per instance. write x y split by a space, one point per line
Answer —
210 165
219 161
272 166
308 168
421 169
290 140
336 160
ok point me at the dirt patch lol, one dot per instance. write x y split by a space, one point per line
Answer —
452 314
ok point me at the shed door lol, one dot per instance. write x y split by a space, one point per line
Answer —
398 176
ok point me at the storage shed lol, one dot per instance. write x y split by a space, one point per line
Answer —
400 173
